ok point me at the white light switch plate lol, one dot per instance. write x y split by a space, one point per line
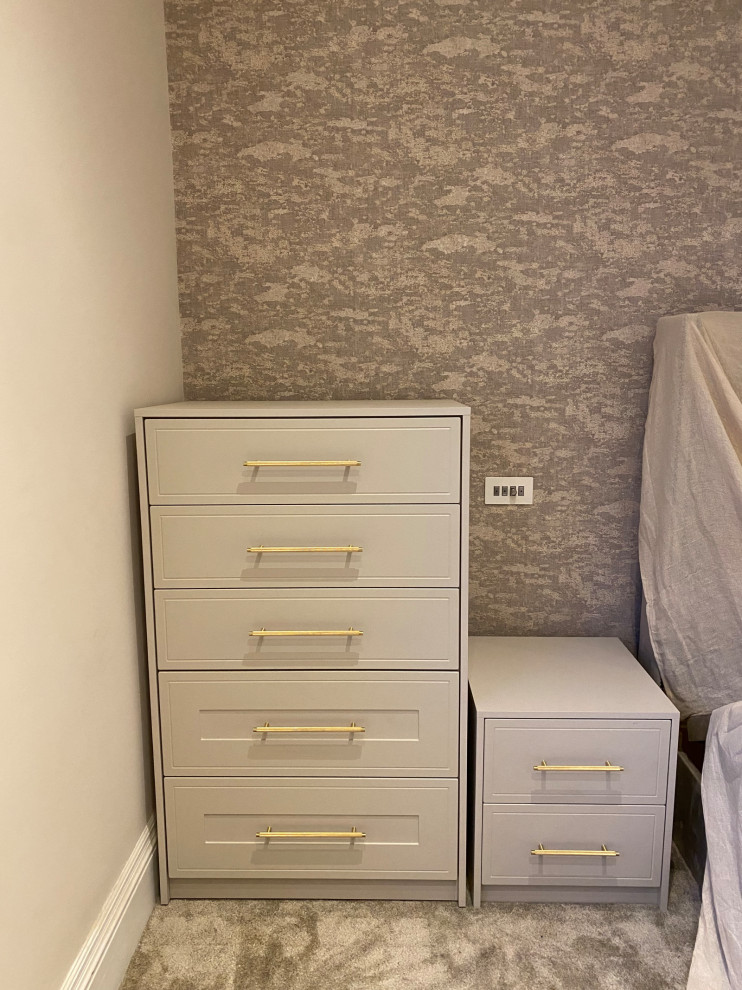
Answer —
490 484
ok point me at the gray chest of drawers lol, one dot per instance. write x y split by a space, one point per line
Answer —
574 751
305 572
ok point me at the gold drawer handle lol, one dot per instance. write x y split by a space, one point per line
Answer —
607 767
267 727
270 834
306 632
302 464
573 852
304 549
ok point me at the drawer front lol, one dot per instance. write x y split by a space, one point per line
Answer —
221 629
511 834
409 828
209 546
416 459
377 723
513 747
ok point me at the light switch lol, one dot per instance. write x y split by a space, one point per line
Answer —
508 491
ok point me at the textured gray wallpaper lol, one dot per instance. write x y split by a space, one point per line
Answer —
489 200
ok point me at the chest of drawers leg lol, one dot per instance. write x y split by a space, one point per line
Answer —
305 571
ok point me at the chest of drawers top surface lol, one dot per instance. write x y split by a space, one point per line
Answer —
274 410
566 677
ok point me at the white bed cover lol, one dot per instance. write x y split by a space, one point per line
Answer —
690 528
717 957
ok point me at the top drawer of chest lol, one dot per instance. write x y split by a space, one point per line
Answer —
321 461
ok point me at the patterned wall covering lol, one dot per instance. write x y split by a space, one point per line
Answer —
489 200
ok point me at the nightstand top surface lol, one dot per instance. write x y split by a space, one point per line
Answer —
561 677
279 409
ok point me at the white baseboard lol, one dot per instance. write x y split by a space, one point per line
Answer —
102 961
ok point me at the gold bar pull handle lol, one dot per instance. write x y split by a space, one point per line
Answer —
302 464
267 727
270 834
262 633
574 852
304 549
606 767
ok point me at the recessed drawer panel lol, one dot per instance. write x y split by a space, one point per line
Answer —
342 628
597 761
380 829
588 846
270 461
288 546
382 723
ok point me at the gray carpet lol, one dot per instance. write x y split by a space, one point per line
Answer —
382 945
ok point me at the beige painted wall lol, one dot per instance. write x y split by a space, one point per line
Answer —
89 325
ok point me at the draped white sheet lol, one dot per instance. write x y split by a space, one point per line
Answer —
717 957
690 529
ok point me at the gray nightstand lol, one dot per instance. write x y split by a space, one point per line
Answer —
573 749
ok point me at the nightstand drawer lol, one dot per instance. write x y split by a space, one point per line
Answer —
350 628
321 723
310 546
599 761
564 845
406 829
271 461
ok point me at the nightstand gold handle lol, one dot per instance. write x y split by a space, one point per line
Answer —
304 549
606 767
302 464
574 852
267 727
306 632
270 834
